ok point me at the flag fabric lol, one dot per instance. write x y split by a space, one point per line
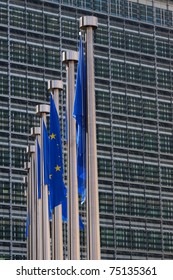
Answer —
27 226
79 113
45 153
46 166
38 169
64 212
55 158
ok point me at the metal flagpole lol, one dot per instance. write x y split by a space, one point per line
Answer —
31 152
27 167
70 57
93 229
41 110
36 131
55 86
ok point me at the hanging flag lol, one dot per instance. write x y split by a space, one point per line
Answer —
45 153
55 158
27 226
79 113
46 166
38 170
64 211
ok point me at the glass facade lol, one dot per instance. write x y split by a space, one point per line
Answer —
133 49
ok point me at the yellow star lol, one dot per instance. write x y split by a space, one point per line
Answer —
57 168
52 136
50 176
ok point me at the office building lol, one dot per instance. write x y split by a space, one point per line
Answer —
133 48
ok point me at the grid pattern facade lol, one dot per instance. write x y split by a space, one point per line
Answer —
134 107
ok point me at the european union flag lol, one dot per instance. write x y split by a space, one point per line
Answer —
45 153
46 143
64 211
38 170
27 226
79 113
55 158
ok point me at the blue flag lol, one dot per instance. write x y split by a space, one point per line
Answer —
79 113
64 211
46 166
38 170
55 158
45 153
27 226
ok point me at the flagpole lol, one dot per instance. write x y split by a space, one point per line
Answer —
31 152
55 86
41 110
27 167
70 57
36 131
93 229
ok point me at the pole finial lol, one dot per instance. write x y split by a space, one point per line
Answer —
87 21
69 56
54 84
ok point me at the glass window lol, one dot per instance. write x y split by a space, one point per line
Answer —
138 206
133 73
4 228
154 240
162 48
167 209
101 67
4 15
35 21
167 176
104 168
134 106
122 204
118 70
4 84
52 25
166 143
103 134
101 35
69 27
4 119
18 52
119 103
5 156
150 141
18 230
100 5
123 238
117 39
164 79
107 236
18 17
153 208
35 55
18 193
102 100
18 157
135 139
3 49
120 137
165 111
52 58
105 202
149 109
168 241
4 192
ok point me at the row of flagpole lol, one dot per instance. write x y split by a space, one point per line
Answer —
46 194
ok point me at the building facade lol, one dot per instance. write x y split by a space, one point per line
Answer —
133 48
